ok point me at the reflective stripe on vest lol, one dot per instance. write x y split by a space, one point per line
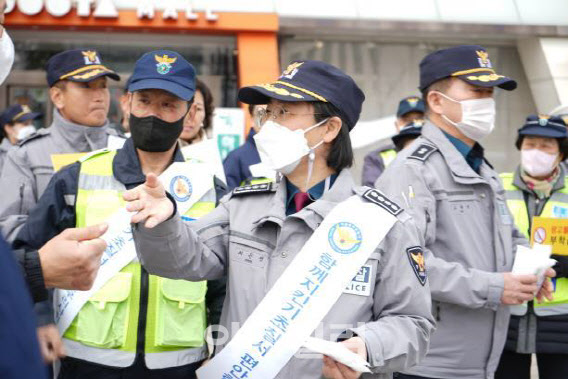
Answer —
105 330
388 156
517 206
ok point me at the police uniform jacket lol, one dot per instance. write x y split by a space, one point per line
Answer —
470 238
28 168
249 238
5 146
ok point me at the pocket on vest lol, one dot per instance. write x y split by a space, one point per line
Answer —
181 315
103 320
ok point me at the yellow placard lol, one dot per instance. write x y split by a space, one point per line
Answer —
60 160
551 231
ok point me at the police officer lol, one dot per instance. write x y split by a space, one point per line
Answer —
258 231
78 89
458 202
407 134
155 328
539 187
16 124
409 109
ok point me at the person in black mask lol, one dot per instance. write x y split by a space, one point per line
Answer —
137 325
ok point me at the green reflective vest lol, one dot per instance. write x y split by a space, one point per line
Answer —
176 315
388 156
556 205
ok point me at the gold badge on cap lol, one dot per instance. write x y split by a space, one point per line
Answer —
412 101
483 59
291 70
543 119
164 63
91 57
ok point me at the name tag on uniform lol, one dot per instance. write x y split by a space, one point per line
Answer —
252 258
504 213
361 283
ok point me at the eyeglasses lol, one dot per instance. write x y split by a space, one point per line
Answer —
277 113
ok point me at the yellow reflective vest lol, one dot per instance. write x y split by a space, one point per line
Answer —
105 331
555 206
388 156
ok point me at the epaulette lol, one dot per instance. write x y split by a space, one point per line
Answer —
253 188
35 135
422 152
93 154
382 201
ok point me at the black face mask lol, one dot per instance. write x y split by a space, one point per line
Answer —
153 134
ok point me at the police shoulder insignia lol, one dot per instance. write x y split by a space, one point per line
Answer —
416 258
422 152
253 188
379 199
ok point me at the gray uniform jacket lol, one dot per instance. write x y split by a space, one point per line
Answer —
395 319
28 168
469 240
5 146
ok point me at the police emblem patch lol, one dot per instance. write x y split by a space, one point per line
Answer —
416 258
344 238
164 64
412 101
543 119
180 188
291 70
483 59
91 57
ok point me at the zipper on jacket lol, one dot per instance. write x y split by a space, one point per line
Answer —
142 313
437 311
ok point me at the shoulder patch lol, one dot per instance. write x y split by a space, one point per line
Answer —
379 199
33 136
253 188
93 154
422 152
416 258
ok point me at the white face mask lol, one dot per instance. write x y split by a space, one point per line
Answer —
537 163
282 149
6 56
25 132
478 117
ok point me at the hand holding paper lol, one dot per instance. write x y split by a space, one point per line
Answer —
339 355
536 261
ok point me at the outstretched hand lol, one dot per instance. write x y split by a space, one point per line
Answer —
150 202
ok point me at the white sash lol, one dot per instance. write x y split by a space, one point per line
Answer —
186 182
304 293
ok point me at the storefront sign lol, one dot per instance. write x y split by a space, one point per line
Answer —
106 8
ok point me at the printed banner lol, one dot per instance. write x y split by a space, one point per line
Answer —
304 294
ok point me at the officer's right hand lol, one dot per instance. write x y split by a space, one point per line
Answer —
150 201
518 288
72 259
